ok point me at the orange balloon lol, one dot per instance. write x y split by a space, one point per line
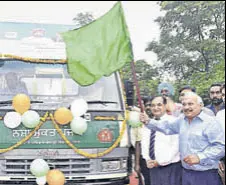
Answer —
21 103
63 116
55 177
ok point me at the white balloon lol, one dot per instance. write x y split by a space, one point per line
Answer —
41 180
79 107
12 119
78 125
134 116
39 167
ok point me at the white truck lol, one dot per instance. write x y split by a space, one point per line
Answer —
49 87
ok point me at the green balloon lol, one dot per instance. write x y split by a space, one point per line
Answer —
135 124
30 119
39 168
78 125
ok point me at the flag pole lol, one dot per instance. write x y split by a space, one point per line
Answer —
138 143
137 86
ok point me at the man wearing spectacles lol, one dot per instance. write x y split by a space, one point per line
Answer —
161 152
216 98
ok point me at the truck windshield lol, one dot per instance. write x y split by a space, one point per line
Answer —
52 85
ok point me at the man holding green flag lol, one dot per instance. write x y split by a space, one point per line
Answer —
99 48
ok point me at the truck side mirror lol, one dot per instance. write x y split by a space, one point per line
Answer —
129 88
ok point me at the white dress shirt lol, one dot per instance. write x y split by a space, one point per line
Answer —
166 146
221 118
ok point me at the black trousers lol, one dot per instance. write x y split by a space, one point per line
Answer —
209 177
167 175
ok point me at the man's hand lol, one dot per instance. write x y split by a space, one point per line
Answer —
221 171
134 108
192 159
144 118
152 163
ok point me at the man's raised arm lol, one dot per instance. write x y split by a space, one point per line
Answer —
166 127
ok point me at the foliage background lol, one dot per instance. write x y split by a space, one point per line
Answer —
191 47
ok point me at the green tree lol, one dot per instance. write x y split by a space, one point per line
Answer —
192 41
147 76
82 19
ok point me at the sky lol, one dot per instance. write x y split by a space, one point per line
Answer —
140 16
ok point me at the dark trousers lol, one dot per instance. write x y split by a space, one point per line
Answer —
145 171
209 177
167 175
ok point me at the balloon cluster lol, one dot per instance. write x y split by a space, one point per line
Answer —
40 169
64 116
29 118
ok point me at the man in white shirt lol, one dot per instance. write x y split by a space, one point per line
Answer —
164 162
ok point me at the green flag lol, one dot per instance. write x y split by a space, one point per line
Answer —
99 48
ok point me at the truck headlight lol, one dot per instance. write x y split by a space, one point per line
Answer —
124 164
1 165
110 166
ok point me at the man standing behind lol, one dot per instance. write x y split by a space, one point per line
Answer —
160 151
201 140
216 98
165 89
182 93
221 113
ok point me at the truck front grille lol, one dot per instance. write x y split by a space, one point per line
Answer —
67 166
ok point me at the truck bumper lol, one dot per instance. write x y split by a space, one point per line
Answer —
112 179
123 181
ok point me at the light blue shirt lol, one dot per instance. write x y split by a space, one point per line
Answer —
204 137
